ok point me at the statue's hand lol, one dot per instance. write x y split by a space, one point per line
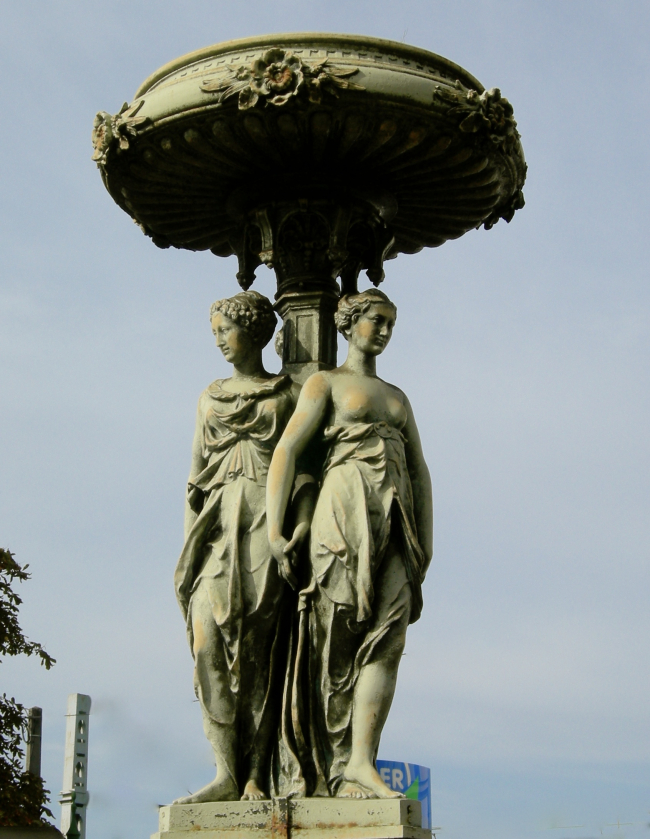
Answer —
298 537
282 553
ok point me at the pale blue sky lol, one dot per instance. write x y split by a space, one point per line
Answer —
524 351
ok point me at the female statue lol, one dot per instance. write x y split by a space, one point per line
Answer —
371 543
229 586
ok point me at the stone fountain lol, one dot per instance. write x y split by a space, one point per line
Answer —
320 156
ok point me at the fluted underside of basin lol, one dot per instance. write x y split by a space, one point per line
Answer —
178 181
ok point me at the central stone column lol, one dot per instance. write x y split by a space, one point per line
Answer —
308 332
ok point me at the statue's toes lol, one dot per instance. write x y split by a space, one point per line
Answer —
351 790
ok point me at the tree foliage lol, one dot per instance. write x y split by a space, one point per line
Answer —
23 799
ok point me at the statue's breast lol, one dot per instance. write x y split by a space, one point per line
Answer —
368 400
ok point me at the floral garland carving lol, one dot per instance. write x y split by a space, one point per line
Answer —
116 130
487 113
490 116
279 76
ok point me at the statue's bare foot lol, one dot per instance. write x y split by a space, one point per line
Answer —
218 790
350 790
366 776
252 792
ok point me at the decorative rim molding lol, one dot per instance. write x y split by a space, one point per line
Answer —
293 39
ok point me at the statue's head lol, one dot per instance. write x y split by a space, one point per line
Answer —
366 319
242 324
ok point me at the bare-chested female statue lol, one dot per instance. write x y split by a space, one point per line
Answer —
230 588
371 543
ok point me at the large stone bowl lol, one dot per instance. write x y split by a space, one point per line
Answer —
304 116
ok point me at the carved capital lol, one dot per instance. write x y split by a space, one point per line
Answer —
312 242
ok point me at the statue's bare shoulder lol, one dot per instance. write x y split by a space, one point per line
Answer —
318 385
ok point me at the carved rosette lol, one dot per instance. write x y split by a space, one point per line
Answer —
278 76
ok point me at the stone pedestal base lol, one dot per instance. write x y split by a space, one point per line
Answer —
300 818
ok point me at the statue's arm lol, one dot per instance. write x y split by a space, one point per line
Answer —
305 491
303 504
198 464
421 483
309 413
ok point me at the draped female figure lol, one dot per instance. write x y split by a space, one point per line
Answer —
370 546
230 588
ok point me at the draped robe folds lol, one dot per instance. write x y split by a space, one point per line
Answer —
367 569
226 567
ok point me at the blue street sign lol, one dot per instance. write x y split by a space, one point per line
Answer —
410 779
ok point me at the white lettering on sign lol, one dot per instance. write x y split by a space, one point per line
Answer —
398 777
385 774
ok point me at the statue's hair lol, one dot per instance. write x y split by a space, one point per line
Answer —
251 311
352 306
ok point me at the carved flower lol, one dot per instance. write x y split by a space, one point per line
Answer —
110 130
277 77
248 97
493 114
487 112
102 136
324 77
126 124
499 113
281 75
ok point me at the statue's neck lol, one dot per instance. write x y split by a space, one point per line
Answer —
360 362
250 368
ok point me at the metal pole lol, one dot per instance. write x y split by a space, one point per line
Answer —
34 732
74 796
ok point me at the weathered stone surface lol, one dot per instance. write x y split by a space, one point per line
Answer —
306 818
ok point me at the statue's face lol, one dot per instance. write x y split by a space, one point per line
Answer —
372 331
233 341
